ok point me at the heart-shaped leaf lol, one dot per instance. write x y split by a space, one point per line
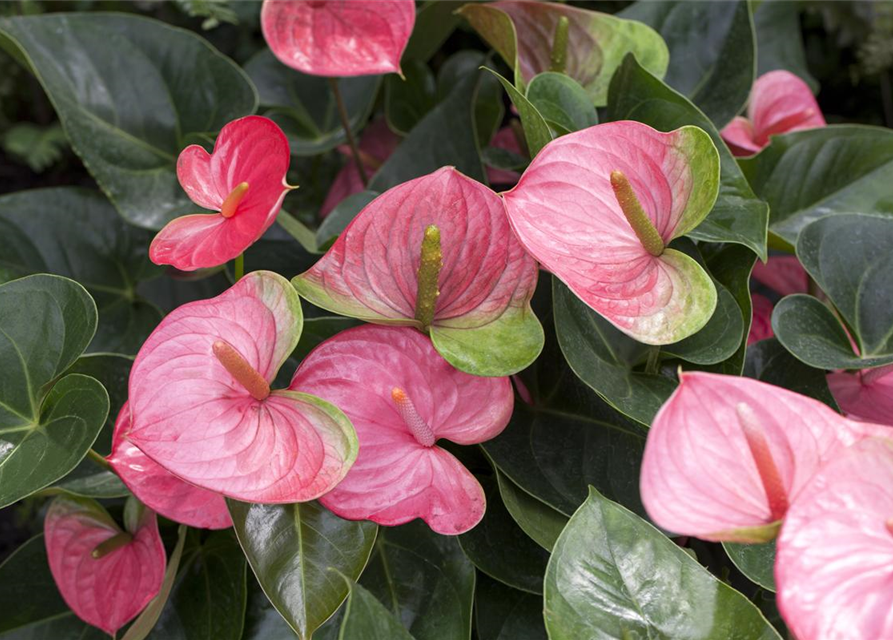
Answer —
780 41
524 34
45 324
365 618
293 550
129 135
712 51
540 522
614 575
76 233
503 613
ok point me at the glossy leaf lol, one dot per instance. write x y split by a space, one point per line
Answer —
503 613
76 233
562 102
113 372
597 42
838 169
408 99
293 550
435 22
130 134
756 561
104 484
712 51
614 575
539 521
737 216
263 622
45 324
365 618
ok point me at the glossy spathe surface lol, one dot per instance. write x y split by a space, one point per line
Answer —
700 474
339 37
250 150
109 591
565 213
396 478
834 564
195 419
482 320
159 489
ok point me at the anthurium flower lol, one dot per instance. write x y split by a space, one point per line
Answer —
726 456
202 407
105 575
338 38
865 395
783 274
243 180
834 562
761 325
159 489
402 397
548 36
779 102
436 253
598 208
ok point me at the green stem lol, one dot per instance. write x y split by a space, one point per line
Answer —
115 542
99 459
652 365
428 274
345 122
558 57
239 266
635 214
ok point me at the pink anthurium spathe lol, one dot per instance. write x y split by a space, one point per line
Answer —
726 456
202 408
106 575
159 489
338 38
779 102
597 209
402 397
783 274
761 325
866 395
243 180
436 253
834 562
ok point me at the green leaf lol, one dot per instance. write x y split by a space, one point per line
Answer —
365 618
756 561
208 597
434 22
488 104
76 233
500 548
780 39
113 371
341 216
836 169
770 362
738 216
45 324
31 607
503 613
613 575
562 102
304 105
407 100
536 129
424 580
105 484
720 337
712 51
128 122
263 622
539 521
292 549
38 147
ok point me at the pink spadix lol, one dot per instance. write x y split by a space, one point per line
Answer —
770 477
238 368
420 430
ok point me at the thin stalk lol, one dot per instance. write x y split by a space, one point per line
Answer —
345 122
239 267
99 459
652 365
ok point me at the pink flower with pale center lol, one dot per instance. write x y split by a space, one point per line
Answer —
834 562
338 38
866 395
403 397
780 102
159 489
105 575
726 456
202 407
243 180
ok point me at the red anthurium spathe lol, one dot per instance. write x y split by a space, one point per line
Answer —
726 456
834 562
597 209
202 407
243 180
402 397
159 489
761 325
106 575
436 253
866 395
339 38
779 102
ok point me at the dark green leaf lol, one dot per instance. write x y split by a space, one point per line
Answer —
76 233
770 362
536 130
113 371
562 102
738 216
613 575
128 122
104 484
365 618
719 339
341 216
292 550
488 107
712 51
756 561
263 622
503 613
537 519
45 324
780 40
434 22
408 99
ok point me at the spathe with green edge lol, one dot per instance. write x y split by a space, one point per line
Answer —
436 253
534 37
598 208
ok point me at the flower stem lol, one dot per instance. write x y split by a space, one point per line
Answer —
115 542
239 267
652 365
99 459
428 275
558 57
345 122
